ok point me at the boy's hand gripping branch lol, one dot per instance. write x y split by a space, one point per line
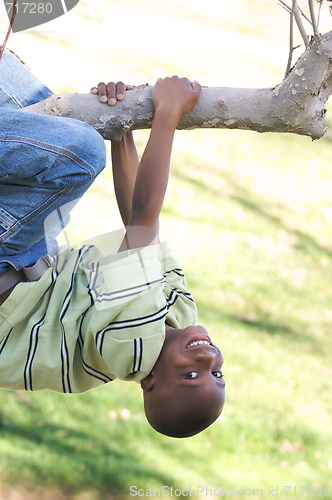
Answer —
175 96
171 98
111 93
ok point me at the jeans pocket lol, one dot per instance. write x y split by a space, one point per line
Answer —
6 219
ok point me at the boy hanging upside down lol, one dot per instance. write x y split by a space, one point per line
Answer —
71 320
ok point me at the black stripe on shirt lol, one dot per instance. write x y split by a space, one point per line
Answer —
33 343
138 354
65 368
65 365
135 355
87 368
4 341
141 354
177 271
64 346
127 292
173 297
176 292
129 323
93 281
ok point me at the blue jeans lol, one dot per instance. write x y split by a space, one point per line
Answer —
46 165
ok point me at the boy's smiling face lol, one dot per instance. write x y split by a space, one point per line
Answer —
188 374
190 358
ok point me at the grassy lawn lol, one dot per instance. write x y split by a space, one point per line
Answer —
252 225
249 218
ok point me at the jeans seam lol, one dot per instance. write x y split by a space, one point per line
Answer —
33 214
12 97
11 260
6 219
53 149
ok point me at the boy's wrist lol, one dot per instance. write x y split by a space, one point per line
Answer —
169 117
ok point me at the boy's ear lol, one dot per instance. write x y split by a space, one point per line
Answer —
148 382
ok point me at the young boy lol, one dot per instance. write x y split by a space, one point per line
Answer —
77 319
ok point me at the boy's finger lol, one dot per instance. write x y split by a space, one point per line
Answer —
120 90
111 92
197 87
94 90
101 89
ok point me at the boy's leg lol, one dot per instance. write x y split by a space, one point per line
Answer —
46 163
19 87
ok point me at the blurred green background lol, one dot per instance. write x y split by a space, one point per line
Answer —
249 218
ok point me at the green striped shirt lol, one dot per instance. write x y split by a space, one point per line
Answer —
92 319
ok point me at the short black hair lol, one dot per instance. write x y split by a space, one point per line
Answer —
178 422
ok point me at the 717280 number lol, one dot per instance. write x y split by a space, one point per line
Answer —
309 491
31 8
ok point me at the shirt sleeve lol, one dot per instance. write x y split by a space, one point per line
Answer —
182 310
127 320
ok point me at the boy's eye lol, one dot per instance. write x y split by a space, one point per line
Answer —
217 374
191 375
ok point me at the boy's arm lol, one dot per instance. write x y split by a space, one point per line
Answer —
171 98
125 164
125 159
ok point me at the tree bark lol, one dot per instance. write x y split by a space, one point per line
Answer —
296 105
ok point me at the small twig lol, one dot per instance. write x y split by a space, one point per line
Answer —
319 10
291 44
2 49
295 13
298 20
289 10
300 26
330 6
284 6
313 17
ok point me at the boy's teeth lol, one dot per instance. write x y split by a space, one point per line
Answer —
197 342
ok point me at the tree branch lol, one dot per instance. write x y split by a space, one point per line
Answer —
301 27
294 14
296 105
313 18
288 9
291 46
319 11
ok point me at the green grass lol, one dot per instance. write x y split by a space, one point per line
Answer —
249 218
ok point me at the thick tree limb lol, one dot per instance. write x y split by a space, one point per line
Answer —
296 105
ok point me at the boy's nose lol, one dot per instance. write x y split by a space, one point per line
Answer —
206 358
